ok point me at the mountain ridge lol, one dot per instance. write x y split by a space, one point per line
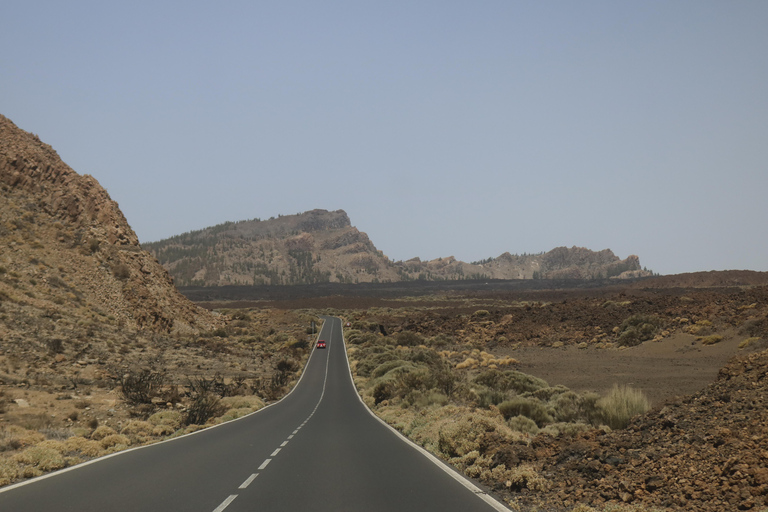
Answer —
320 246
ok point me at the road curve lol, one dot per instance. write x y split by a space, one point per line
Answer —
319 449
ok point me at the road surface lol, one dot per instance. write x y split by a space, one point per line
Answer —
318 449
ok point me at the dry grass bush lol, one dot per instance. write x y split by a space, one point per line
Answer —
102 432
700 328
465 434
85 447
40 458
170 419
748 342
621 405
138 432
237 407
711 339
523 476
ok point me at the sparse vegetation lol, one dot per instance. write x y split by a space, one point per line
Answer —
637 329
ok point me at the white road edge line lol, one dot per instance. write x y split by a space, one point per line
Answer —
483 495
264 464
250 479
225 503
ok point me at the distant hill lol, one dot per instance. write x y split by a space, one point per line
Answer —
67 251
320 246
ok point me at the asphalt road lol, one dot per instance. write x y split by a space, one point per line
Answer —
319 449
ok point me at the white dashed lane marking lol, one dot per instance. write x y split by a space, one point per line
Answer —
225 503
248 481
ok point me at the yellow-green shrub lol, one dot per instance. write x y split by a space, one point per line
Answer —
621 404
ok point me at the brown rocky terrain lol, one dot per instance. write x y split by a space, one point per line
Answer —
323 247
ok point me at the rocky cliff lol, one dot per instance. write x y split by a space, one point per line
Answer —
321 246
66 247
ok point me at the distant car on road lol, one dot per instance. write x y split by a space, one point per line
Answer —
321 344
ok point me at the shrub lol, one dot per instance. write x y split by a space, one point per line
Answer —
711 340
409 339
426 399
138 431
620 405
525 476
528 407
204 406
510 380
139 387
523 424
568 429
488 397
464 435
116 441
395 364
749 341
637 329
44 458
383 390
83 446
570 406
102 432
121 271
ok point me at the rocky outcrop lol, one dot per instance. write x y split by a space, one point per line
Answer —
321 246
78 236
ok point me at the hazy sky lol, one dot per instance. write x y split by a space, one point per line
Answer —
441 127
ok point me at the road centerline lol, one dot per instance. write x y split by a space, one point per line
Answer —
225 503
248 481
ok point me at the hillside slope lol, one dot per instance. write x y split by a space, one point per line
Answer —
323 247
66 248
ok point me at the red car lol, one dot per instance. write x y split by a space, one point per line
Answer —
321 344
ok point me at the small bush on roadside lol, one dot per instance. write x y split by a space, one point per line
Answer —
140 387
464 435
102 432
204 406
712 339
525 476
43 458
115 442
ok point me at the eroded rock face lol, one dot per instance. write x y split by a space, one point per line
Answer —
78 236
